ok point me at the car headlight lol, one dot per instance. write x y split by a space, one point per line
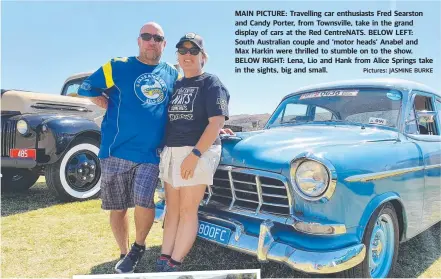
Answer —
310 178
23 127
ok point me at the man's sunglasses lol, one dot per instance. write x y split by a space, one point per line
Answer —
147 37
193 50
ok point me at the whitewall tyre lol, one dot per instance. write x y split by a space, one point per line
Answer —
76 175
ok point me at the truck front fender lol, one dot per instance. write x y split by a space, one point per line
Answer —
58 132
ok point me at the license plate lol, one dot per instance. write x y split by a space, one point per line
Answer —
23 153
214 232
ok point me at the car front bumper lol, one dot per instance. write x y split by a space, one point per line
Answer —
266 248
19 163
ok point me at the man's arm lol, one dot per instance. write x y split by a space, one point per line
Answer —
96 84
100 101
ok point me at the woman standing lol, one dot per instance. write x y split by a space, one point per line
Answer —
197 112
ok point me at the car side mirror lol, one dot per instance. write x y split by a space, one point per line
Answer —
425 116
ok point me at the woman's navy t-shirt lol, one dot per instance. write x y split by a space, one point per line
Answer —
194 101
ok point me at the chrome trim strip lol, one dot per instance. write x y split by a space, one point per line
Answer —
381 175
290 194
259 193
210 193
273 186
253 172
330 262
223 196
224 167
265 240
59 107
432 166
243 182
244 191
246 200
276 204
220 187
316 228
275 196
233 193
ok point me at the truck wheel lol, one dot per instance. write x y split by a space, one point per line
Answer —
76 176
18 180
382 241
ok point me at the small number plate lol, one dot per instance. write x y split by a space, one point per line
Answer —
23 153
214 232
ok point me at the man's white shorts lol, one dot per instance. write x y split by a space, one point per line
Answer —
171 160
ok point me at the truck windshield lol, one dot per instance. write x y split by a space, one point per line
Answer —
71 87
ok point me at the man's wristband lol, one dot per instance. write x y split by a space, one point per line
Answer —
196 152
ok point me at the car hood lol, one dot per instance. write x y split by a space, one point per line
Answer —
42 103
273 149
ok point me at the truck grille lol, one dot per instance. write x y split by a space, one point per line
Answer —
8 136
249 189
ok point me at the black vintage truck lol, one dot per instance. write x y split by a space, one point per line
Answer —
57 136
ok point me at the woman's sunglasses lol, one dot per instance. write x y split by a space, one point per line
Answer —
193 50
147 37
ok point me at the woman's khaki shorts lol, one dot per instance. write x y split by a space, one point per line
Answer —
171 160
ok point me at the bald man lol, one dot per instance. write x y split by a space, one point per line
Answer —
138 90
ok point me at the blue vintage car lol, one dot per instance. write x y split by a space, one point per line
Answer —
341 174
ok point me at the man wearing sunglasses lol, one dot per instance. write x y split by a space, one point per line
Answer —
138 90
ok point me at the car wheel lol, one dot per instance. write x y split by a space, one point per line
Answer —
382 241
18 180
76 175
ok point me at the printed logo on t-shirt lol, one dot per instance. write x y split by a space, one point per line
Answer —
222 103
182 103
150 89
86 86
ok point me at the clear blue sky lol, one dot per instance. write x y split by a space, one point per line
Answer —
42 43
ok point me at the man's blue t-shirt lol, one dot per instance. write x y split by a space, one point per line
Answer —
134 125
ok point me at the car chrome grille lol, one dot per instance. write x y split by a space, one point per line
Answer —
255 190
8 136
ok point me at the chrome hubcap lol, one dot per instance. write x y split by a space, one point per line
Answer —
82 171
381 247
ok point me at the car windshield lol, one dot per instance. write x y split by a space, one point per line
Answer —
71 88
364 106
